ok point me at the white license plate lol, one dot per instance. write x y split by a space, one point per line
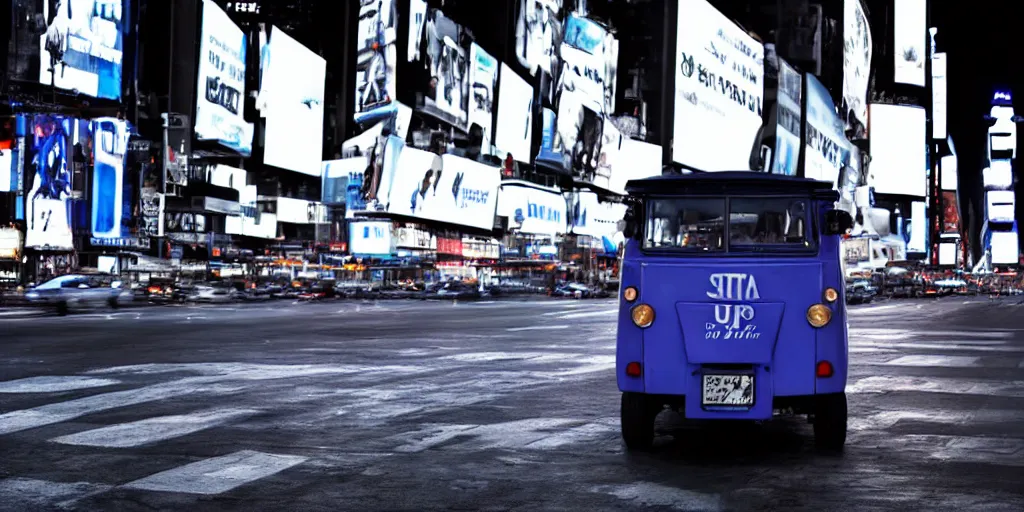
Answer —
728 390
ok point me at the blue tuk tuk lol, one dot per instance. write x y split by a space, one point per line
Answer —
732 302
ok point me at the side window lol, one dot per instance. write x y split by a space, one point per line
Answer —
72 283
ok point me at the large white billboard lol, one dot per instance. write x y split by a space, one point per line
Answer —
999 206
719 90
998 175
483 80
514 131
590 217
826 150
1005 248
531 209
939 96
220 103
949 180
444 188
371 238
856 60
81 49
898 147
910 33
294 109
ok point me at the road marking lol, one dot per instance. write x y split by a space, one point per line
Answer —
604 312
53 384
933 361
23 312
979 450
955 347
872 309
871 350
538 328
884 384
656 495
509 435
887 419
968 334
219 474
151 430
32 494
217 379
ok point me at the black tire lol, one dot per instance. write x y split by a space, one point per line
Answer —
112 302
62 308
830 415
637 415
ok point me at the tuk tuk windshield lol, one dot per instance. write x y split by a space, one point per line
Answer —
756 224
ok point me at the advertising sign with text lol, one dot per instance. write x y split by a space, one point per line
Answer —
221 81
458 191
826 149
532 210
719 90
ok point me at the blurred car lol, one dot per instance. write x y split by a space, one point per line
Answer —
451 290
77 291
213 294
319 290
574 290
163 290
860 291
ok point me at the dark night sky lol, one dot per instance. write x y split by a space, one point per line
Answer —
983 44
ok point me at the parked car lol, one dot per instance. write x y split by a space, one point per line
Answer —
860 291
77 291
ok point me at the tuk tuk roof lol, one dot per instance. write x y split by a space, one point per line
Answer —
730 182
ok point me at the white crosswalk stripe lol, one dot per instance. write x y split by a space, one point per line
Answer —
152 430
219 474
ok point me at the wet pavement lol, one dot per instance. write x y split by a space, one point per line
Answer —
480 406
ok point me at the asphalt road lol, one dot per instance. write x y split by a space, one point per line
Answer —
479 406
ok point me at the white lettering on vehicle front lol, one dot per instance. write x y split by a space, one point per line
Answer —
733 321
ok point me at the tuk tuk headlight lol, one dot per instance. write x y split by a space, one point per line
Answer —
630 294
643 315
831 295
819 315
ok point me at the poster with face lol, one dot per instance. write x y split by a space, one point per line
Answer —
376 56
539 34
483 78
447 65
590 57
581 130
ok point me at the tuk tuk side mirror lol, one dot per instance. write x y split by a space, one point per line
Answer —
838 222
628 224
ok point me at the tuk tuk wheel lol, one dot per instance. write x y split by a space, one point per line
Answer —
830 415
637 415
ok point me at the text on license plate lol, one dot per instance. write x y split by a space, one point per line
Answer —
728 390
